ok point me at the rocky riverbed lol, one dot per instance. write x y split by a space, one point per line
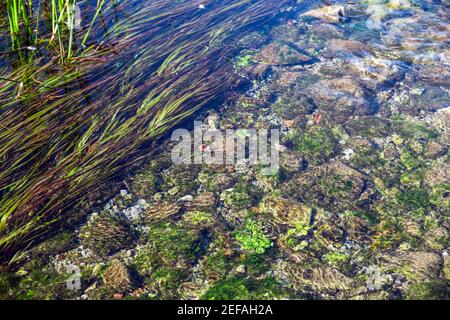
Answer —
358 210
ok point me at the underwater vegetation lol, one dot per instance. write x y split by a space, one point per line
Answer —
69 124
53 23
359 208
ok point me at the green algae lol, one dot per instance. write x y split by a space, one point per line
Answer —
199 219
335 259
429 290
237 199
409 161
239 288
252 237
316 144
171 241
242 62
216 263
316 239
38 284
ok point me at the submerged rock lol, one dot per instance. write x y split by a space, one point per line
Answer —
287 211
333 13
333 185
357 210
347 46
416 266
341 98
161 211
205 201
321 280
117 277
278 53
375 72
106 234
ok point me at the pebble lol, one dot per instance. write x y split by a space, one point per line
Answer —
348 154
173 191
187 198
240 268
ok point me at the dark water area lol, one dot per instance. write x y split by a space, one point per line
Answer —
358 208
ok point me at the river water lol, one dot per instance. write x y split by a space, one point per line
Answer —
357 209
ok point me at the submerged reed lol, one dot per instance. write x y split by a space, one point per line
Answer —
65 133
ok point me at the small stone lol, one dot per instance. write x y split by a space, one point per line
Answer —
289 123
157 197
375 279
138 292
240 268
417 91
187 198
213 120
173 191
118 296
348 154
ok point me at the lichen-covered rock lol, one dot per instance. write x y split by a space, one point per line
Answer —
437 238
446 270
315 146
65 241
433 67
368 127
224 181
181 178
199 219
430 99
292 162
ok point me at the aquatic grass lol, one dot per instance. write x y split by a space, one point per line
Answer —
73 128
100 4
24 14
18 13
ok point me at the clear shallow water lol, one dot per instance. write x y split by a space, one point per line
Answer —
359 207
